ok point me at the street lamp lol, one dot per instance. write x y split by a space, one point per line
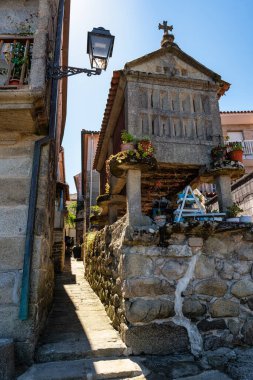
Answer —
99 47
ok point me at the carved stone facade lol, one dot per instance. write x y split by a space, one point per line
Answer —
176 105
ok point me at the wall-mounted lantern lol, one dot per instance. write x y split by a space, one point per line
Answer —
99 47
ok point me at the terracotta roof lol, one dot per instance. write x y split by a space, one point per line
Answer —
108 108
229 112
90 132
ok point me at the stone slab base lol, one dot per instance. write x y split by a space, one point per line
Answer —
159 339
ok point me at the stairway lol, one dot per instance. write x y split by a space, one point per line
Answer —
79 341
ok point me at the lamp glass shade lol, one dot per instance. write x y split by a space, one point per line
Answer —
99 47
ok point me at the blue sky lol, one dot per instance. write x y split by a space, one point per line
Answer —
219 34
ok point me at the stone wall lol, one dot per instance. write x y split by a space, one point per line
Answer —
15 175
194 294
22 18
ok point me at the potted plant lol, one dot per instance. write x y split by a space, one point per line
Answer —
159 207
235 151
18 59
127 141
219 153
144 143
232 212
95 211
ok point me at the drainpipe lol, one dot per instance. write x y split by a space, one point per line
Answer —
91 173
25 287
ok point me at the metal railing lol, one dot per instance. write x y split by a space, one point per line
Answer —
247 149
15 60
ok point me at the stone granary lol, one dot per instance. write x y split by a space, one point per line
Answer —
195 290
32 119
170 97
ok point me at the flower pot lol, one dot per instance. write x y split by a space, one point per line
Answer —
14 82
235 155
160 220
145 144
246 219
127 146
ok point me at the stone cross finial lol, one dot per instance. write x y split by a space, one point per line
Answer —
164 26
168 39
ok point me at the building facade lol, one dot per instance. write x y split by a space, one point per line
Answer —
238 126
90 181
32 119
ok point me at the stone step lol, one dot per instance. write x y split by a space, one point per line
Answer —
102 346
13 221
84 369
14 191
207 375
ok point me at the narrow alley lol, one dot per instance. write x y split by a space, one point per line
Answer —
78 328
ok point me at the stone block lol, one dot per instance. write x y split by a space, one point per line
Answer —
177 239
13 221
178 250
227 272
142 287
195 242
11 253
234 326
216 246
15 167
242 267
174 269
224 308
41 253
247 332
146 310
14 191
243 288
216 324
157 339
7 366
137 265
217 340
204 267
250 303
244 250
211 287
193 308
220 357
12 326
41 221
10 283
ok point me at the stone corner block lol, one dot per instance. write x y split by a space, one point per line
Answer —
195 242
7 367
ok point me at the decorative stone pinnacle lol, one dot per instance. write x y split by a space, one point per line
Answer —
168 39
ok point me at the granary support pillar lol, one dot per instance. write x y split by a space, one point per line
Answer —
112 213
133 187
224 193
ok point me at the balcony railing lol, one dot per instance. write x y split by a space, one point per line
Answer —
15 60
247 149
